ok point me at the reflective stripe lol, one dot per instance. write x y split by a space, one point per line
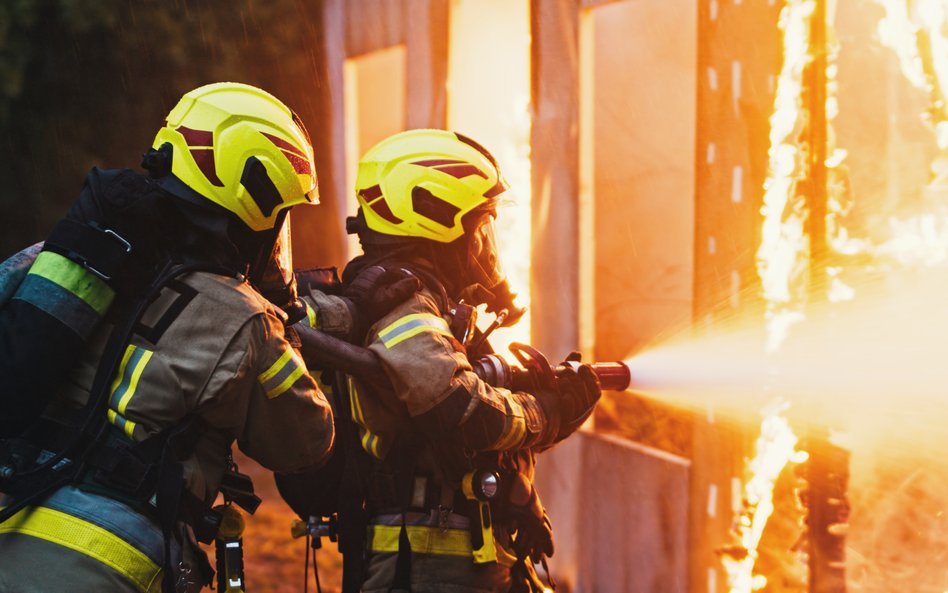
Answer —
123 423
275 367
354 401
424 540
60 304
74 278
94 541
516 431
412 325
372 443
282 374
310 315
126 382
287 383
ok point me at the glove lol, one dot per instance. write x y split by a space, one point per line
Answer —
534 536
378 290
579 391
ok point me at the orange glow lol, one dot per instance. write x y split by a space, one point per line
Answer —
774 449
489 100
781 264
784 247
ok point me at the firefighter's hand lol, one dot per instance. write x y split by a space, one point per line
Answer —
378 290
579 391
534 536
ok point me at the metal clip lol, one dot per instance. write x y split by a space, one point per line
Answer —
183 583
443 515
121 241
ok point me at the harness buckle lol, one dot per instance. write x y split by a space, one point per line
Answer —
444 514
117 238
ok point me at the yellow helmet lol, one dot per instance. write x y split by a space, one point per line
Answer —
422 183
241 148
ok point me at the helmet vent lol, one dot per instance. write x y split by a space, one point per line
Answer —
432 207
260 187
381 208
370 193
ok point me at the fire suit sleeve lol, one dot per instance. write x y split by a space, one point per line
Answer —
431 375
288 424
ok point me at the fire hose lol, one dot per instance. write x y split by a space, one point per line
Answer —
324 351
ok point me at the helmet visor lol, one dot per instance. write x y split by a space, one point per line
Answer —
484 256
273 275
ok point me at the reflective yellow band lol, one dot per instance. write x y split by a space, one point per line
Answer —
123 423
354 401
287 383
412 325
515 429
98 543
74 278
310 315
277 379
276 367
424 540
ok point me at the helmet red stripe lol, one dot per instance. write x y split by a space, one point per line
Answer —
283 144
204 157
300 165
461 171
436 162
196 137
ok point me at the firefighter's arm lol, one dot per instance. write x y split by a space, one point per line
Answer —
373 293
288 425
432 376
57 305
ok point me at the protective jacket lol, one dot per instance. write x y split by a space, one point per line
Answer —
437 423
210 348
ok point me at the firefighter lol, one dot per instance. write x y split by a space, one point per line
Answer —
182 351
449 459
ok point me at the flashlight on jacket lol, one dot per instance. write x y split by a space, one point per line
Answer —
480 487
230 551
494 370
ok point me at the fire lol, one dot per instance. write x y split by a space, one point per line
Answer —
784 247
781 265
489 100
775 448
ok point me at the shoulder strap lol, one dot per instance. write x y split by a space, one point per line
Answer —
69 462
353 520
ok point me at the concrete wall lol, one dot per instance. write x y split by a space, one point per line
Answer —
620 514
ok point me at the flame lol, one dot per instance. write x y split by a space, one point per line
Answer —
489 100
781 264
916 32
784 246
775 447
513 220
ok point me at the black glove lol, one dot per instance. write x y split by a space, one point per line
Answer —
534 535
378 290
579 391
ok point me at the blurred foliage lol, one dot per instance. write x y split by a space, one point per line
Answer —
88 82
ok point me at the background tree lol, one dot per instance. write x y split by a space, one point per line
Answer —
88 82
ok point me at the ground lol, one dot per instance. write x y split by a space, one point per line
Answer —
273 560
